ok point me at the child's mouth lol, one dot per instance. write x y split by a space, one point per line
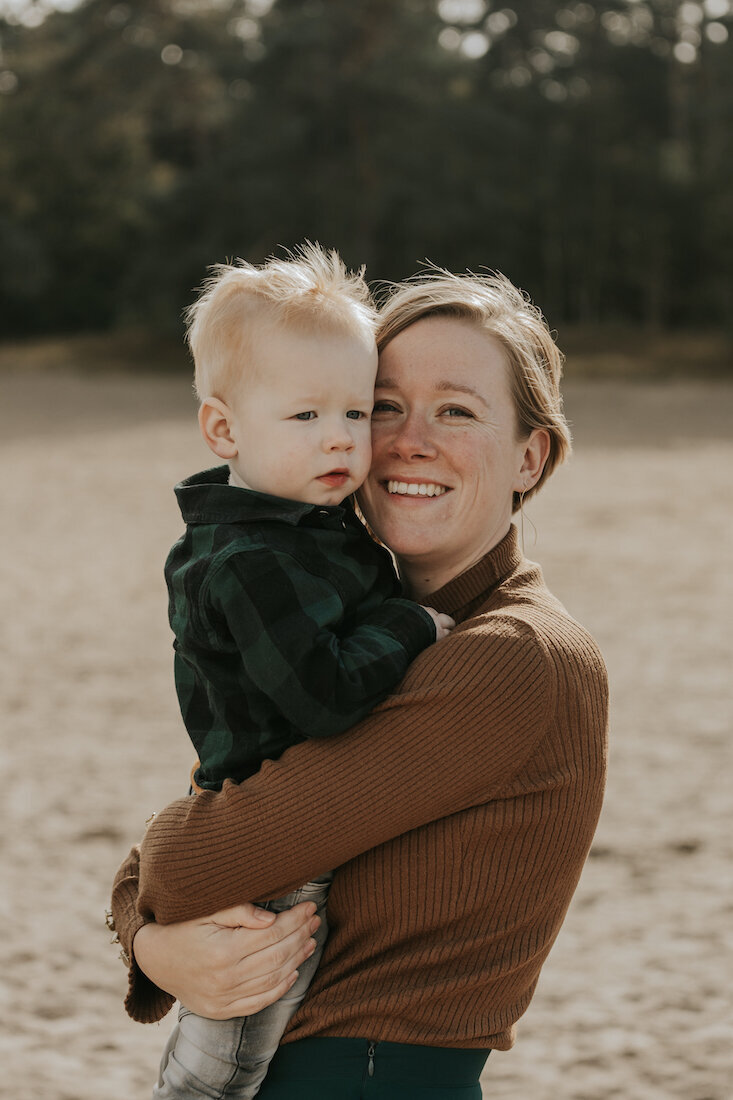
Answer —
335 478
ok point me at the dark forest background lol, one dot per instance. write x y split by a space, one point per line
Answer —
586 150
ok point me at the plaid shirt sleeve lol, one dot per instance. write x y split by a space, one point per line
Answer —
283 621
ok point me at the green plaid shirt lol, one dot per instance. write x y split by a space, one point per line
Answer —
288 623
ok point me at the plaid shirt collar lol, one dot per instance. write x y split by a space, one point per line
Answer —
209 498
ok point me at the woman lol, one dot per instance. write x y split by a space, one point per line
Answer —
460 812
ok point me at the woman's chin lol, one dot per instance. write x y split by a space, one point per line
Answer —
402 517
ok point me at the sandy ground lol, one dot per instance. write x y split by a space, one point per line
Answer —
635 536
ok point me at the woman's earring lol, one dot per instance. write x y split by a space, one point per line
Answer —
521 518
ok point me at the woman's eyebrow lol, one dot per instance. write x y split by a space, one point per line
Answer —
458 387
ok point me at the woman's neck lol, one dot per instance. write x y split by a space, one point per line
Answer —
421 577
418 584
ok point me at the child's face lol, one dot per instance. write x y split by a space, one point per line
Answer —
301 417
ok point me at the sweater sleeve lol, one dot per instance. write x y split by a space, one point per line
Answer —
286 623
465 720
145 1002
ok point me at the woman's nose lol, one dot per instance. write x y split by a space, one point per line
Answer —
413 439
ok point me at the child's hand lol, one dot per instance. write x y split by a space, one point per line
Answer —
443 623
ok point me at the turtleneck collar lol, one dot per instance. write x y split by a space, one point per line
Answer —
475 583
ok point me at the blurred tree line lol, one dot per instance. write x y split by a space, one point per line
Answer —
586 150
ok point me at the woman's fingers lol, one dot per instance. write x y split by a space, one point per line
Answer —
249 969
227 969
247 915
249 1005
261 970
261 948
254 992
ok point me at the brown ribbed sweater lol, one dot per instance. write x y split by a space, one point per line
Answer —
458 815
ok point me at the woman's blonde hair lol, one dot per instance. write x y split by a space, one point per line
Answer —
494 304
310 289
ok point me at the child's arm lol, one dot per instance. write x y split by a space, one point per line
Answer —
283 621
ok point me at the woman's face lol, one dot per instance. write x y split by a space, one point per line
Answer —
446 453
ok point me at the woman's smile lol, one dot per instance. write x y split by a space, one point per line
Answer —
415 488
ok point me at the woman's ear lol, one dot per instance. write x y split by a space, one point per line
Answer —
215 421
536 453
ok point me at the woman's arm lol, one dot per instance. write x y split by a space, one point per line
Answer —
230 964
465 719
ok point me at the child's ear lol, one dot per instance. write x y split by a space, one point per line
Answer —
215 421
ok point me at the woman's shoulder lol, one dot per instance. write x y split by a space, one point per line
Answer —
523 611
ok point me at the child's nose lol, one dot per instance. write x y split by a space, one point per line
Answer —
339 439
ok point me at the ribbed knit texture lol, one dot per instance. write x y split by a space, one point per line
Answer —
459 815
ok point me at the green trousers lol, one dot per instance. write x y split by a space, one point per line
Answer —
356 1069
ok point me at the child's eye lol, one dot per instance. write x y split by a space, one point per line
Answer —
310 415
356 414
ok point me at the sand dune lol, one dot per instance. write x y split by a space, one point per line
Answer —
635 536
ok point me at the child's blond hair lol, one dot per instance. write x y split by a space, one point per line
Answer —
310 288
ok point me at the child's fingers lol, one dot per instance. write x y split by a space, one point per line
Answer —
443 623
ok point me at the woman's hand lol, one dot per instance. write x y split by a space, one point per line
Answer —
230 964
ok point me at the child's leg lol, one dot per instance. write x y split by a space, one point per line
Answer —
229 1058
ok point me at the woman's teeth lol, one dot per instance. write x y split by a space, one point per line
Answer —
413 489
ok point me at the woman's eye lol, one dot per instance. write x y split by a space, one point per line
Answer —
305 416
355 414
456 411
383 406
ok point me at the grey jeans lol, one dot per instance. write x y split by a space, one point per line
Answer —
229 1058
